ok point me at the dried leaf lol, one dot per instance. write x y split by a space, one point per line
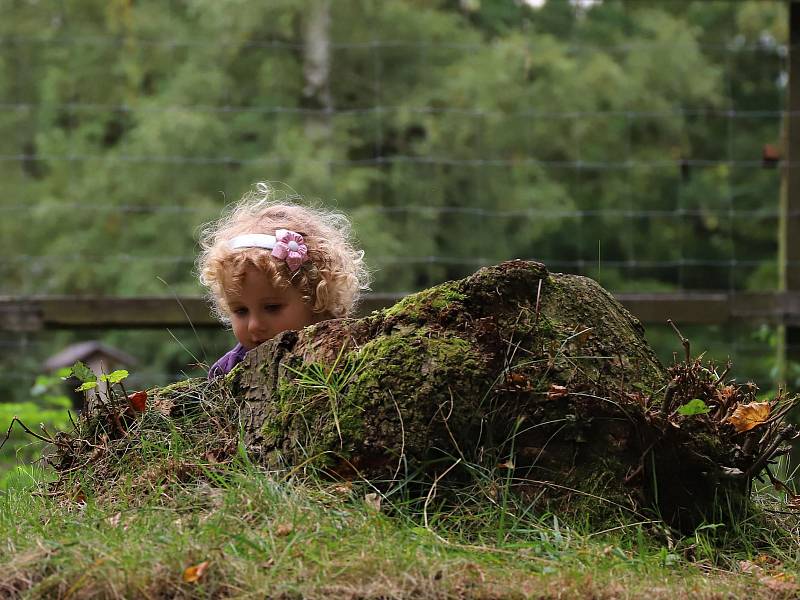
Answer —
284 529
509 464
725 394
637 397
768 575
556 391
193 574
138 401
114 521
517 382
748 416
373 500
766 559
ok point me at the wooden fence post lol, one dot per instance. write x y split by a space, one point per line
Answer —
788 347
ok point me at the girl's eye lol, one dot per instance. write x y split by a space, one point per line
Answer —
240 312
273 307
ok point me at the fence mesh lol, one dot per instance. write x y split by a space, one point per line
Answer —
629 141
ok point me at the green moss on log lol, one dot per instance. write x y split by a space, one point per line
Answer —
420 307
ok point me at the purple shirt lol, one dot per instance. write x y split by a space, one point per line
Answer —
229 360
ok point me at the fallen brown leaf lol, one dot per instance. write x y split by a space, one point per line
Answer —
517 382
748 416
138 401
766 559
556 391
284 529
194 573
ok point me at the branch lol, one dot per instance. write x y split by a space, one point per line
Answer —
28 431
684 341
787 433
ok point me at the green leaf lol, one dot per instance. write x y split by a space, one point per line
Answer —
116 376
86 385
694 407
82 372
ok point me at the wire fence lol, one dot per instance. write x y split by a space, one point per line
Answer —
672 190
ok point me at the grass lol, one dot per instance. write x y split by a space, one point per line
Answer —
168 505
265 535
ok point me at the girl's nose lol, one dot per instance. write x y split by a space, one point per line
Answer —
256 325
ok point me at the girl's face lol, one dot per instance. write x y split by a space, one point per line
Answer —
260 311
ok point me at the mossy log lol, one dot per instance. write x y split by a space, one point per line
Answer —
543 374
513 379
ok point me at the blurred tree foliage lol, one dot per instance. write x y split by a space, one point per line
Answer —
622 139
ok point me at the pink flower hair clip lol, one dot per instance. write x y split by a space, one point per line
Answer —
289 246
285 245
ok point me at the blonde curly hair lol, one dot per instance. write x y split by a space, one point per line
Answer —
330 282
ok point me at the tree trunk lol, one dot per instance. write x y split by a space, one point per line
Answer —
317 70
514 378
513 367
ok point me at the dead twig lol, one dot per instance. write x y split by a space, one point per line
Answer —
432 492
722 377
538 300
27 430
402 456
684 341
787 433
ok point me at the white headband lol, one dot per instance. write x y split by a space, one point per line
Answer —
252 240
285 245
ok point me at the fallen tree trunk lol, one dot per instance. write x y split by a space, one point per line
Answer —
539 382
543 374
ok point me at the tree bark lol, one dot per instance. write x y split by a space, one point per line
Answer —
514 379
317 70
514 367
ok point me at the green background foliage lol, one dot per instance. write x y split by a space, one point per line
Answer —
622 140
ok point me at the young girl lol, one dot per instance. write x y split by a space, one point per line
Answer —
270 266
